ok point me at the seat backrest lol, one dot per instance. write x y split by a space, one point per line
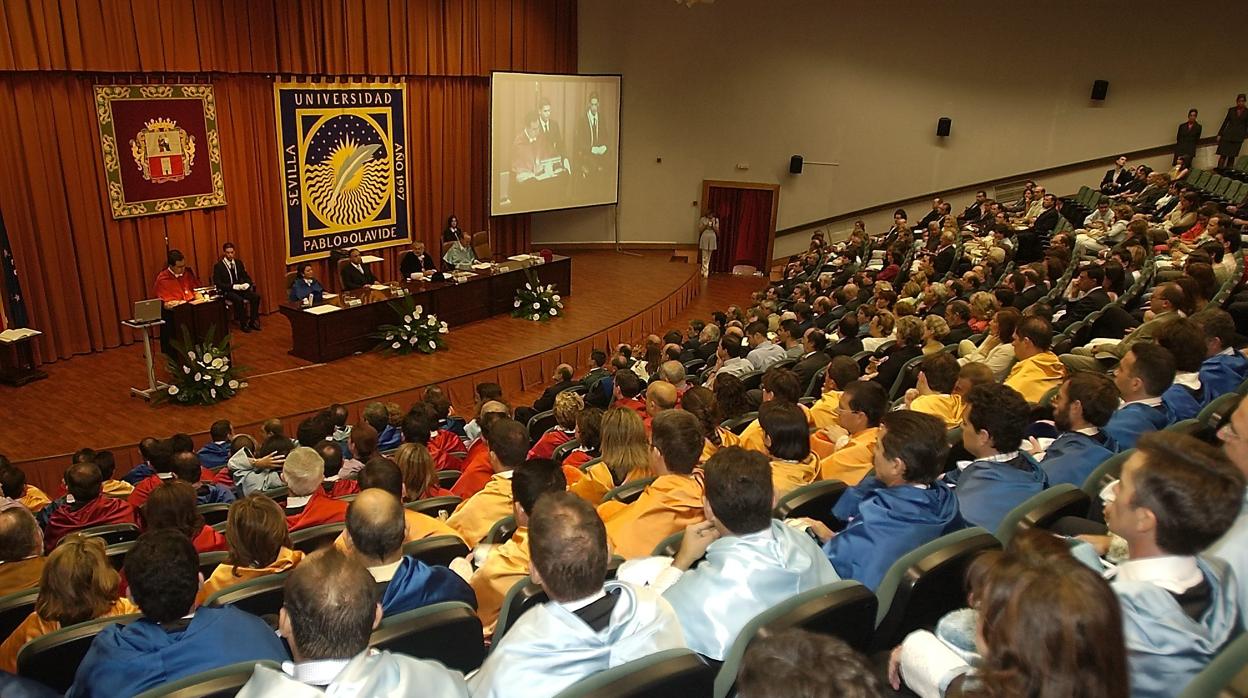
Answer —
1106 471
260 596
738 425
214 513
448 632
752 380
47 659
814 501
501 531
1226 676
436 550
669 546
562 450
628 492
844 609
117 553
433 506
208 561
222 682
539 423
314 538
447 478
112 533
14 608
906 378
522 596
815 387
481 245
1216 411
927 583
1043 509
276 493
676 673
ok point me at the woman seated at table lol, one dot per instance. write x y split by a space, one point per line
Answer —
306 285
416 261
460 255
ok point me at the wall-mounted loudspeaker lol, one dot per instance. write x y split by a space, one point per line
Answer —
795 164
942 126
1100 88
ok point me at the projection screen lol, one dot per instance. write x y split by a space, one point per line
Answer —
554 141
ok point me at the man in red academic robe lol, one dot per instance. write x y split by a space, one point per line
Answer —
308 505
176 282
162 463
476 470
86 506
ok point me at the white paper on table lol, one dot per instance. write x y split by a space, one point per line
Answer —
378 287
371 259
519 257
18 333
321 309
481 266
327 296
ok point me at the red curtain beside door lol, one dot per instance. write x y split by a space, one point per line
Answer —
744 226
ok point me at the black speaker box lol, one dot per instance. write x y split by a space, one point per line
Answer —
1100 88
943 124
795 164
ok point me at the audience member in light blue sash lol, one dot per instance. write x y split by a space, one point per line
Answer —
753 561
1186 341
1144 373
899 508
378 417
1045 625
1083 405
1176 497
1233 546
1001 477
588 626
1223 368
215 453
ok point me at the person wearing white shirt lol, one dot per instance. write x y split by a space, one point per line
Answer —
763 352
230 277
731 359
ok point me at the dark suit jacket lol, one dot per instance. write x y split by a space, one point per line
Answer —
1187 139
807 367
1234 128
1082 308
959 333
943 262
550 142
221 276
1046 222
412 264
1114 180
584 141
891 366
846 347
352 279
932 215
547 400
448 235
1029 296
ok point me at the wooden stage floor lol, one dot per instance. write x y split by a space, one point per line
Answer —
616 297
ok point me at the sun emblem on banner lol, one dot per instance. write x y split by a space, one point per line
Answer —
348 175
162 151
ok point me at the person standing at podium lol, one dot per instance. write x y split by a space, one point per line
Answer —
355 274
175 284
306 286
230 277
416 261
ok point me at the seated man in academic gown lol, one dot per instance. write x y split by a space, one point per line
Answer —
21 551
355 273
752 561
1001 477
1223 368
307 504
376 529
1185 398
251 470
216 452
509 445
508 563
841 371
186 468
669 504
162 456
476 467
173 639
899 508
853 437
588 626
1144 374
1083 405
329 610
86 505
385 475
1176 497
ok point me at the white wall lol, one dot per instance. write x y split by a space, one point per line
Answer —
862 82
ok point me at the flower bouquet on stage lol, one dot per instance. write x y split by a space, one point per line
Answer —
202 374
535 301
415 331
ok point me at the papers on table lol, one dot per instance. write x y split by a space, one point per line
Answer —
370 259
521 257
18 334
327 296
378 287
321 309
480 266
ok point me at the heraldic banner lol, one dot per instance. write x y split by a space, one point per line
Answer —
161 149
343 150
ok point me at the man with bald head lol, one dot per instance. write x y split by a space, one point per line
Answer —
308 505
509 446
21 550
376 529
475 468
559 382
329 611
660 396
704 348
89 506
589 625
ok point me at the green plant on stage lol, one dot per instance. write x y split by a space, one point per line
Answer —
203 373
535 301
414 331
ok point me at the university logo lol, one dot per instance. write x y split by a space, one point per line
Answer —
343 149
162 151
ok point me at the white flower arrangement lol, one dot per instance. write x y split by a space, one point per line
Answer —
536 302
416 331
206 376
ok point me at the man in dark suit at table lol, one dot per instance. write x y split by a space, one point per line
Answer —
550 140
230 277
355 274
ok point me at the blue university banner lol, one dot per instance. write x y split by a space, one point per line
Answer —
343 149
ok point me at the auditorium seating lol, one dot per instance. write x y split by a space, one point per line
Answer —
667 674
1104 473
260 596
448 632
501 531
813 501
436 550
112 533
522 596
222 682
1043 509
14 608
314 538
628 492
1225 677
434 506
45 659
214 513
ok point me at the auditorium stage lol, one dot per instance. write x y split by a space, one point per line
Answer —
616 297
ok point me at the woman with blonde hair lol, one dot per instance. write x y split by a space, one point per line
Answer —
259 545
881 328
420 474
77 585
567 405
625 455
935 329
983 306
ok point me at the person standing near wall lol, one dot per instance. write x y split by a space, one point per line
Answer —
708 240
1232 133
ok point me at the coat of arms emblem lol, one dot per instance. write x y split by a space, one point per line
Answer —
162 151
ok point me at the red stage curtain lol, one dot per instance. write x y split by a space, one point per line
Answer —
744 225
82 271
